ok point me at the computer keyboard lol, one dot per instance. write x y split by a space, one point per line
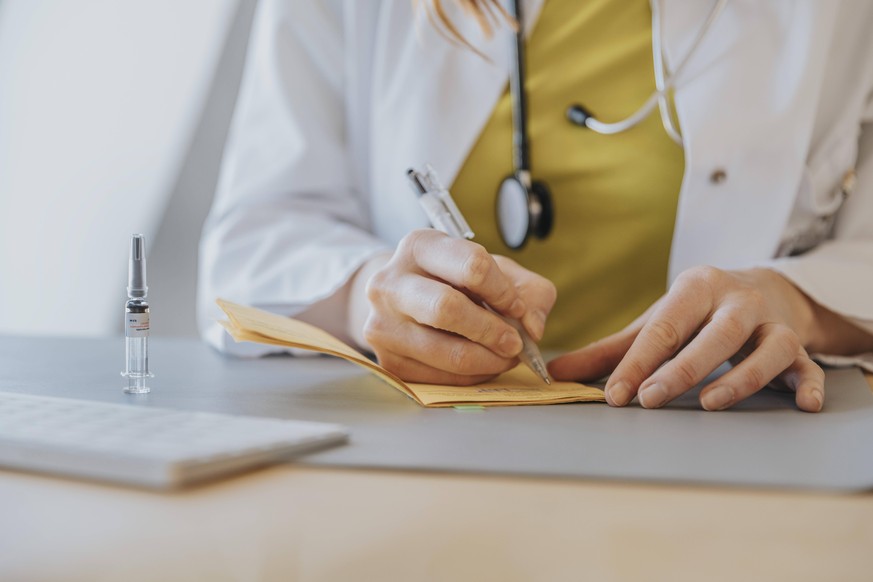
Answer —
144 446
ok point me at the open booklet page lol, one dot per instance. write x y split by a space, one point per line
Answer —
518 386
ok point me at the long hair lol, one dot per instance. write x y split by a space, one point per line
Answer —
489 14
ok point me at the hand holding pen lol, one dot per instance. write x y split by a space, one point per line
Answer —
427 322
445 216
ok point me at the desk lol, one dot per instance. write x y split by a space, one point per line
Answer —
296 523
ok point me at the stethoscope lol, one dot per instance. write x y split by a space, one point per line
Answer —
524 205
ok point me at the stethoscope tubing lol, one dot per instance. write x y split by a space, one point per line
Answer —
664 83
519 190
520 139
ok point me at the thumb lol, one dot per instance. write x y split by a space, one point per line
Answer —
600 358
595 360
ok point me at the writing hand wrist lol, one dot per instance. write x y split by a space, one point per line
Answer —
358 305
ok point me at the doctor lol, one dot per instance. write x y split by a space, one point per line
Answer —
749 188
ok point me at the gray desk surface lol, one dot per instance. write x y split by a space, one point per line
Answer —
764 442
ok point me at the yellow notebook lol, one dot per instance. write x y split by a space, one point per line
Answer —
515 387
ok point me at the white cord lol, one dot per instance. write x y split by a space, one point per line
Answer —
662 85
660 72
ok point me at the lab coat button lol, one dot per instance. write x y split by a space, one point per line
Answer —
718 176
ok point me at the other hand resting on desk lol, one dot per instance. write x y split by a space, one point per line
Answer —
756 318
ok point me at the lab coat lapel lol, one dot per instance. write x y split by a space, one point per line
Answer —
745 105
431 101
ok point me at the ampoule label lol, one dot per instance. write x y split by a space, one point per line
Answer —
136 324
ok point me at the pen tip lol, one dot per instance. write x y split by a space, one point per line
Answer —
539 367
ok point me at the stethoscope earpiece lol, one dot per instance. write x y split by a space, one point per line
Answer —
578 115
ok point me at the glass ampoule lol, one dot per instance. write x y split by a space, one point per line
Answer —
136 321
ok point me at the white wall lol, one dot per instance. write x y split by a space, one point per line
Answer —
102 129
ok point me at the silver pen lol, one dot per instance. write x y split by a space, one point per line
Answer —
445 216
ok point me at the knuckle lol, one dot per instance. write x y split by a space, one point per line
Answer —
754 300
444 309
408 243
633 371
709 274
506 298
753 379
413 243
685 372
732 331
460 358
786 341
489 333
476 267
503 262
703 275
664 333
377 285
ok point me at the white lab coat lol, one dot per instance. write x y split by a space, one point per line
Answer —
340 98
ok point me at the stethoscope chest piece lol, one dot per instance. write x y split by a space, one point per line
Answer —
523 211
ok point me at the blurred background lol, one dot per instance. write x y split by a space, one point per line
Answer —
113 116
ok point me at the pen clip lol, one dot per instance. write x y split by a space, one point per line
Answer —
433 193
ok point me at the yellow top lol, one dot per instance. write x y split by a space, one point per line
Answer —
614 197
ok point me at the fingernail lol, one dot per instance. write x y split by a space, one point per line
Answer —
509 344
619 394
517 308
654 396
718 398
539 323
